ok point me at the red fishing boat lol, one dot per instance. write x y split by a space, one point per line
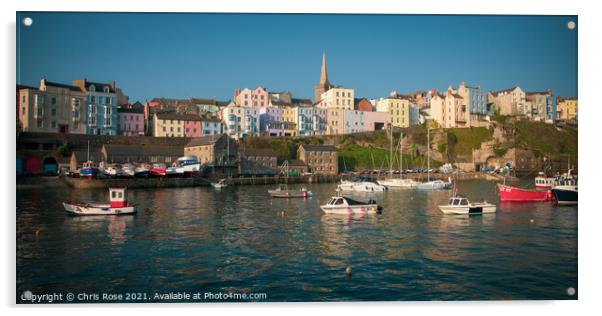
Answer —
515 194
158 170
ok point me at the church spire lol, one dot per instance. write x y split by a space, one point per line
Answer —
324 71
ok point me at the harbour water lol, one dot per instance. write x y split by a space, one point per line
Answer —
240 240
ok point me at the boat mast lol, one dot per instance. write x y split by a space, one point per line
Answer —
401 155
391 154
428 152
88 150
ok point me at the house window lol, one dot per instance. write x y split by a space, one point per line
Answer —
107 121
92 99
40 123
53 112
92 120
53 124
53 100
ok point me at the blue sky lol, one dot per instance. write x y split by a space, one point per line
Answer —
209 55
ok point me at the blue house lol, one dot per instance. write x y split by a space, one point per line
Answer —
101 99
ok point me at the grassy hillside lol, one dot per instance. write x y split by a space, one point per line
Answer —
545 139
355 157
461 141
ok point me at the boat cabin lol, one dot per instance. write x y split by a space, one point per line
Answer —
118 197
89 165
458 200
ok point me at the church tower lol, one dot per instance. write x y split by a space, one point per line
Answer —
324 84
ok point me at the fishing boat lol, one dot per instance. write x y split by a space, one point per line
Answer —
118 205
345 205
565 189
544 183
434 184
188 166
89 169
158 170
515 194
360 186
459 205
173 171
142 170
220 184
392 182
112 170
284 192
128 170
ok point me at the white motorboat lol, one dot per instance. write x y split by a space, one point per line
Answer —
459 205
360 186
188 165
345 205
118 205
112 170
284 192
128 170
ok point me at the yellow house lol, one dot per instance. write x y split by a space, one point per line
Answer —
168 125
338 98
398 109
567 109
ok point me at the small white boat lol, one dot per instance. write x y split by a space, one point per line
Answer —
112 170
399 183
118 205
128 170
220 184
345 205
284 192
459 205
361 186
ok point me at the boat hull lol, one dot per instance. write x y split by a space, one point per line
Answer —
351 209
289 194
476 209
565 196
513 194
434 186
81 209
398 183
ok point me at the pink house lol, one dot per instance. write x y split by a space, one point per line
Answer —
131 121
192 126
258 97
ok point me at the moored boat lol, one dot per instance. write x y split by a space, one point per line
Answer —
188 166
118 205
158 170
220 184
434 185
399 183
361 186
112 170
284 192
88 170
565 189
514 194
142 170
544 183
345 205
128 170
459 205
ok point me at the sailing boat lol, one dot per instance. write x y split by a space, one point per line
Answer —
400 182
435 184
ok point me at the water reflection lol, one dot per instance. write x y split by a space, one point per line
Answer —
240 238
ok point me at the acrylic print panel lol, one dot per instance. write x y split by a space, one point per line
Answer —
203 158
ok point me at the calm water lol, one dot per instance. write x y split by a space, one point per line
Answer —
238 240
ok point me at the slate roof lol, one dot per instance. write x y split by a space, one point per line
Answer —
62 85
130 110
204 140
142 151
